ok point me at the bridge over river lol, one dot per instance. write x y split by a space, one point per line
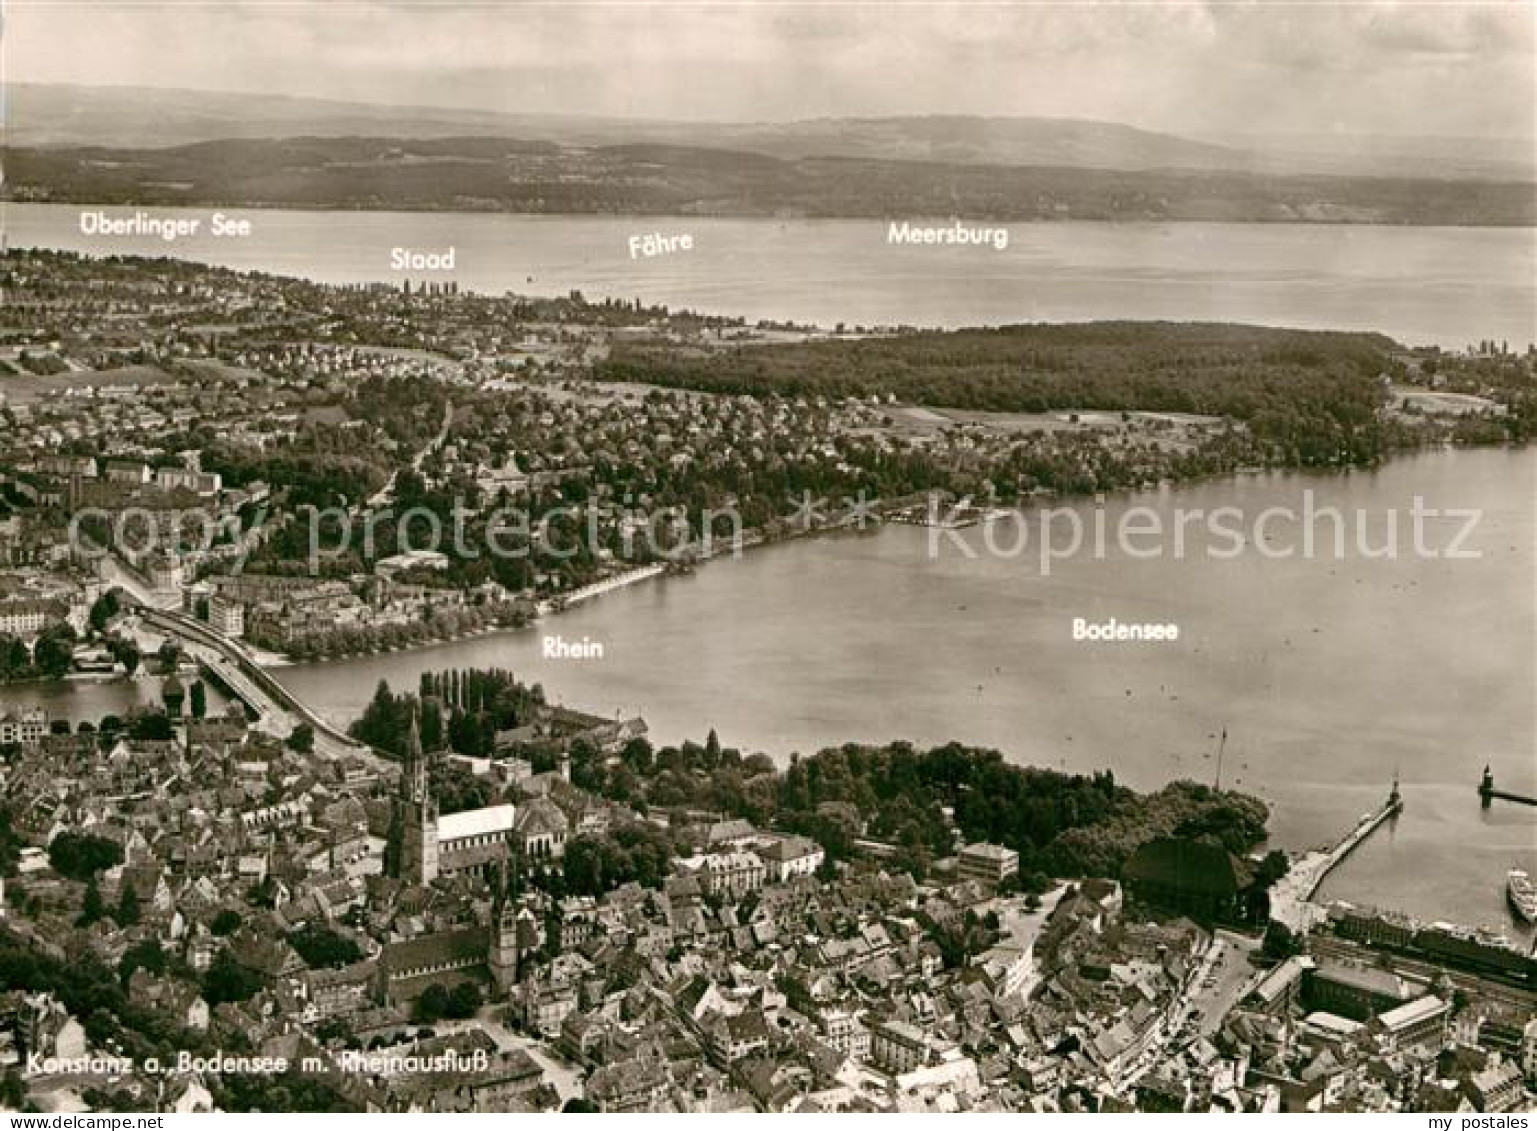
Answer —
278 710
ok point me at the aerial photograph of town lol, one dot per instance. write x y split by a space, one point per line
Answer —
768 558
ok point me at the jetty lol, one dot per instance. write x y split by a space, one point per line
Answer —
598 588
1291 899
1488 794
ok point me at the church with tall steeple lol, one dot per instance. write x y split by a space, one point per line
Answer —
422 845
411 853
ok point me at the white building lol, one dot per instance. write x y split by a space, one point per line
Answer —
25 617
186 479
23 726
732 873
1009 968
227 617
791 856
845 1032
990 863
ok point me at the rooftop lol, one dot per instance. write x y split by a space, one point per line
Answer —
989 852
476 822
1411 1013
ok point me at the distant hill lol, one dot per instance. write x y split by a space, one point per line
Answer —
141 117
1477 158
639 178
145 117
961 140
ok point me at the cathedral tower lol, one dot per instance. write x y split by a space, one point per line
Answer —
503 956
411 855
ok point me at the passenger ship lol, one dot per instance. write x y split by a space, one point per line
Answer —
1522 894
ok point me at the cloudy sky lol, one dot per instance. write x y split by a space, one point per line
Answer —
1212 68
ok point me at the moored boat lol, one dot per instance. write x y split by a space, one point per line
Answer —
1522 894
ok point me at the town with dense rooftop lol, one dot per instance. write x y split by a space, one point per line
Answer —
473 898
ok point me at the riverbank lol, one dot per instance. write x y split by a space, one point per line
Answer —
922 511
550 606
266 658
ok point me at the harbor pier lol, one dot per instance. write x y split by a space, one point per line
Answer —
1291 899
1487 793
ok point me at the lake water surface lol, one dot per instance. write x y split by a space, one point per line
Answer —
1330 675
1449 286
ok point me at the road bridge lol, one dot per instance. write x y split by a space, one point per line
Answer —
240 672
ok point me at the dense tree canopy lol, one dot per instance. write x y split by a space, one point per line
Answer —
457 710
81 855
320 946
1309 397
